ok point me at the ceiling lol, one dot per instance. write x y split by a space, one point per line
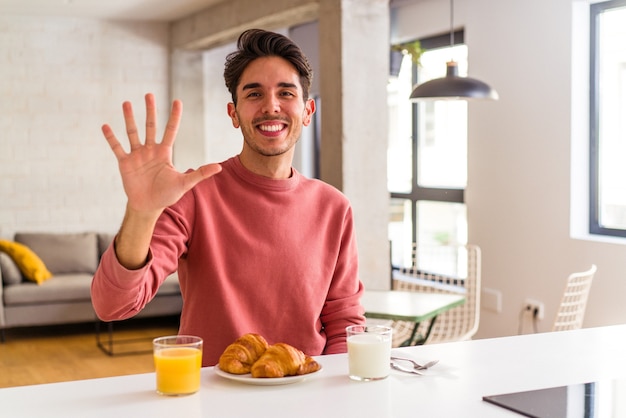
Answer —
151 10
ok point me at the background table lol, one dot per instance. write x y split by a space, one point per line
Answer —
409 306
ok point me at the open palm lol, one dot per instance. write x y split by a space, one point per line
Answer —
150 180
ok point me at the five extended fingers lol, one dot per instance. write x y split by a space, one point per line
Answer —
181 182
169 136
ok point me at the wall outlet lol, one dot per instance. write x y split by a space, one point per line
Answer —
534 307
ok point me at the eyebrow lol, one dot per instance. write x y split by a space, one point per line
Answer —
257 85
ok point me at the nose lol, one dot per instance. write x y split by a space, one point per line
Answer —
271 104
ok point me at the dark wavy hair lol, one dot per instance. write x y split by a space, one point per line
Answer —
256 43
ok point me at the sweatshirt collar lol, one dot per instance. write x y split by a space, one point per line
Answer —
263 182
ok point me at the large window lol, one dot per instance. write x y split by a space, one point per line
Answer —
427 155
608 118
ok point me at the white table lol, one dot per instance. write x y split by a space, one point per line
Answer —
408 306
454 388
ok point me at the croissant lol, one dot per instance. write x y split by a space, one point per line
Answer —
239 356
281 360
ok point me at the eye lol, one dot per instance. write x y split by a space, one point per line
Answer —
287 93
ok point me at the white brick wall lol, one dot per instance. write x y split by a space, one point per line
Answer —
60 80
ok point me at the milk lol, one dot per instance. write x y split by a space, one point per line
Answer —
369 355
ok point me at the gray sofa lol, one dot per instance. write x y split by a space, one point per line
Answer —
72 258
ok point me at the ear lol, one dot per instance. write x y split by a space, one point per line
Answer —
232 112
309 109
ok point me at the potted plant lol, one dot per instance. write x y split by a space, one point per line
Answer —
398 51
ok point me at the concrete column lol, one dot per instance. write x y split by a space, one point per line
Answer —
187 85
354 71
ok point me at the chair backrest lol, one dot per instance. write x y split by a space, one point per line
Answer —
571 311
446 269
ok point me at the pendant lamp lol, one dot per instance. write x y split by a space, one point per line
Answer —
452 86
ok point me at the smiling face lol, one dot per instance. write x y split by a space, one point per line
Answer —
270 109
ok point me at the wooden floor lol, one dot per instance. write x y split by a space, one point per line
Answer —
61 353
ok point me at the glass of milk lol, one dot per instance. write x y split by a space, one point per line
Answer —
369 352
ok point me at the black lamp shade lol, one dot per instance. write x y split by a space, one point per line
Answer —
453 87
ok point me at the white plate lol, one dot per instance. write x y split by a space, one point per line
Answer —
263 381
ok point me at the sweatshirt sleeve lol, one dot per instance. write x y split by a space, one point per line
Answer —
118 293
343 304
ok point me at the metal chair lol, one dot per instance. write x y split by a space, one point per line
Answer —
571 311
443 269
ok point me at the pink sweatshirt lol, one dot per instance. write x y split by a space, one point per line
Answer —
253 254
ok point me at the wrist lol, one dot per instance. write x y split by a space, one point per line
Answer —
132 243
141 217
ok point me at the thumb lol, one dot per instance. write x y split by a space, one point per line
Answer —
194 177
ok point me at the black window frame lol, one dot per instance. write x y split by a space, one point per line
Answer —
419 193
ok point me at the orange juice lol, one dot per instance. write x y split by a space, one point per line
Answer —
178 370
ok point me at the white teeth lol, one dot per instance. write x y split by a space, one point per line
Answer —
271 128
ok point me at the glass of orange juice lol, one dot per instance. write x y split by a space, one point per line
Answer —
177 360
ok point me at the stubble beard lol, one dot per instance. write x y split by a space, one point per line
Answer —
266 151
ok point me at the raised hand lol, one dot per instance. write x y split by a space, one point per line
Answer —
150 180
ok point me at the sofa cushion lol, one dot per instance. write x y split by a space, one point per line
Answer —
31 266
10 271
60 288
64 252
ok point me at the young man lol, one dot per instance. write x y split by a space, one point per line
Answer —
258 247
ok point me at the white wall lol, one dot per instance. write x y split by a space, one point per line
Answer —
520 171
60 80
